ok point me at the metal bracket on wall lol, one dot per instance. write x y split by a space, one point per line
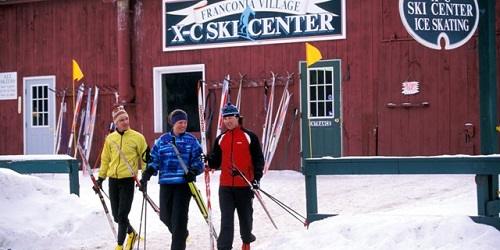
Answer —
407 105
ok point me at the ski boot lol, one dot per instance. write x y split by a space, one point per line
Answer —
132 237
119 247
246 246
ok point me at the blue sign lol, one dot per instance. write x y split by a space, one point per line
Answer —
212 24
436 22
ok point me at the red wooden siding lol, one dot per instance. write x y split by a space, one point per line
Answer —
377 56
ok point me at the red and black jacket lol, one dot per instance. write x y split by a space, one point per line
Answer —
240 148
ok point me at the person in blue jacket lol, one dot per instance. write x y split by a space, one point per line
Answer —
174 190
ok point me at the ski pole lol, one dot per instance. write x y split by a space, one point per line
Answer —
257 194
195 192
134 176
145 225
100 189
143 215
94 167
101 198
288 209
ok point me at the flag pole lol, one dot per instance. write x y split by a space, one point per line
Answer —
313 55
77 76
73 127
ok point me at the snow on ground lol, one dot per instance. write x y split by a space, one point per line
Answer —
375 212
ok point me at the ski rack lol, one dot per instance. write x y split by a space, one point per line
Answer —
246 82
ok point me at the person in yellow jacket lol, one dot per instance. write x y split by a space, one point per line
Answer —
124 144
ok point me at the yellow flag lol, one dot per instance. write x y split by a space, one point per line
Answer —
312 54
77 72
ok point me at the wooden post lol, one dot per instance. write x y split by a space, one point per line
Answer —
487 100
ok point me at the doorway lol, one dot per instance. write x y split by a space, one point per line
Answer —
39 114
175 87
321 109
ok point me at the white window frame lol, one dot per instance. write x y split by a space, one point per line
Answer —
309 115
158 88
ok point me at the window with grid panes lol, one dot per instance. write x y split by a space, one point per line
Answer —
321 93
40 105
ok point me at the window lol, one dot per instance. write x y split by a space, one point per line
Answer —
39 105
321 93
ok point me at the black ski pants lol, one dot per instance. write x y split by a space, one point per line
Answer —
231 198
121 195
174 208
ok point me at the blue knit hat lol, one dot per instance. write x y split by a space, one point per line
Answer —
177 115
230 110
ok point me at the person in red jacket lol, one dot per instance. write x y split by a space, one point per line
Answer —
236 148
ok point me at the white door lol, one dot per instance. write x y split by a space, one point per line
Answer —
39 114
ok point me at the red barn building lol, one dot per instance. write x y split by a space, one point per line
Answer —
378 90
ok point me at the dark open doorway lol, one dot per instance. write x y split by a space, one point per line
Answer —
180 92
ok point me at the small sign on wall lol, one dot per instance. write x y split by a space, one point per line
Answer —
8 86
320 123
410 87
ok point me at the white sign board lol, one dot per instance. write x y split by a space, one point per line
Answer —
320 123
8 86
431 22
410 87
195 24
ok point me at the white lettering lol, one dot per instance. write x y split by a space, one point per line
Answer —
224 31
267 26
422 24
326 22
192 32
178 38
451 9
282 25
212 31
255 28
311 25
440 24
417 8
251 27
320 123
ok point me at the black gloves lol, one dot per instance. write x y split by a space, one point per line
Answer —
190 176
146 157
98 185
146 175
255 184
144 185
